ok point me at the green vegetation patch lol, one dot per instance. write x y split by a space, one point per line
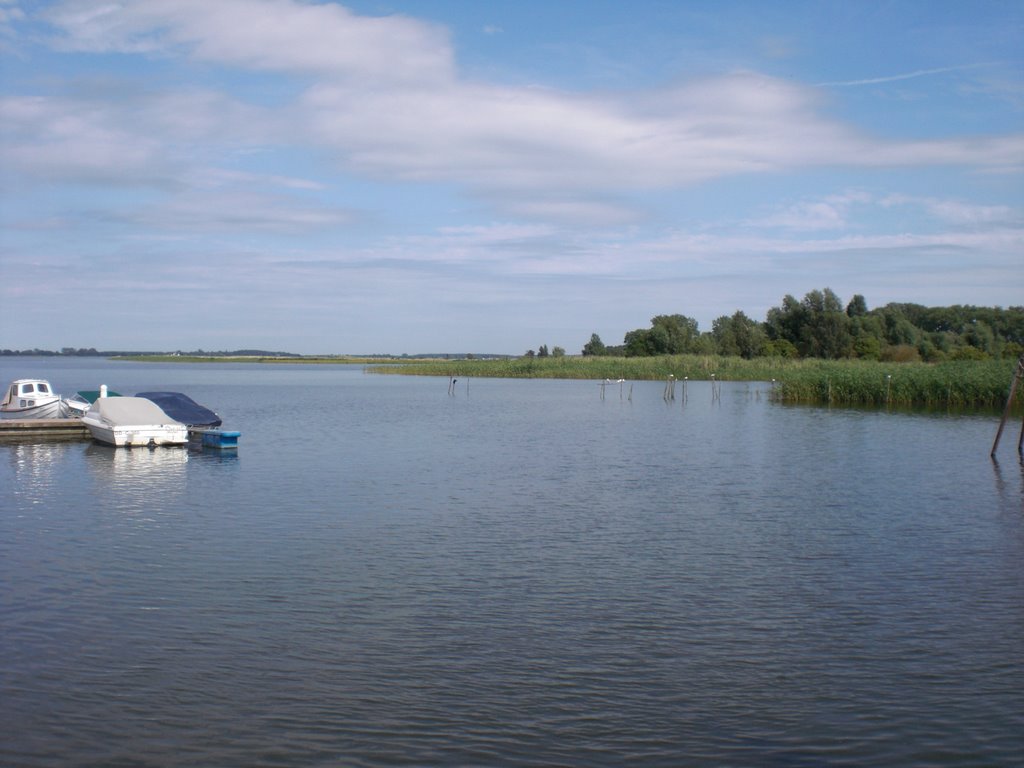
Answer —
959 384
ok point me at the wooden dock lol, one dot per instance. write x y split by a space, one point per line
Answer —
32 430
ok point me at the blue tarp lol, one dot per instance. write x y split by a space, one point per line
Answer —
183 408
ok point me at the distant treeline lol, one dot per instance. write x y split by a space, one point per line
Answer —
92 352
820 326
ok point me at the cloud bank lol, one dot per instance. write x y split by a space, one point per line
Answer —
295 143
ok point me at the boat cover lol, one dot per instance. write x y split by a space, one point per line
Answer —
183 408
130 411
92 395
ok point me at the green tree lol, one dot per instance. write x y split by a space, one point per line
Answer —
638 343
595 346
826 329
739 335
786 323
898 327
857 307
668 335
725 337
818 326
674 334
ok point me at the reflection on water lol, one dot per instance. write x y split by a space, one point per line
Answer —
1008 480
36 468
138 476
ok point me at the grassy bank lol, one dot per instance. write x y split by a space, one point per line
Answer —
854 382
957 385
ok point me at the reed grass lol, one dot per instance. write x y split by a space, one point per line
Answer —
599 367
960 384
956 384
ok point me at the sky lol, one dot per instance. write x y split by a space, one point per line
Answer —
425 176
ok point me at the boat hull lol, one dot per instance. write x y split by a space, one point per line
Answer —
35 399
40 409
141 435
131 421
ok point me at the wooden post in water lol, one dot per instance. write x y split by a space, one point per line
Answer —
1018 374
670 388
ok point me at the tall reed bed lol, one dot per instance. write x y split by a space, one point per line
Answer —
957 384
975 383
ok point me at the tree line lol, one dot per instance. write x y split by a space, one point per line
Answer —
93 352
820 326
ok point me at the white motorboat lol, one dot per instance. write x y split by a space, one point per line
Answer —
31 399
129 421
76 406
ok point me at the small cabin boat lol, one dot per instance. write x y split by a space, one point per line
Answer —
31 399
80 402
130 421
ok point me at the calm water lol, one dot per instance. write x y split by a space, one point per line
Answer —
522 574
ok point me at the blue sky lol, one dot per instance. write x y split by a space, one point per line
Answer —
392 176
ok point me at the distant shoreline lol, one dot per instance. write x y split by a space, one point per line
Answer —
310 360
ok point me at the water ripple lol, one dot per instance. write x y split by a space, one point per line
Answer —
527 577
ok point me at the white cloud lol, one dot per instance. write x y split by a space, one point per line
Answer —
54 138
958 212
831 212
8 16
384 98
137 138
808 216
269 35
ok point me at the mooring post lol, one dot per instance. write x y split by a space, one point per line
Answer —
670 388
1017 374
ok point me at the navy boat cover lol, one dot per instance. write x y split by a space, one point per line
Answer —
183 408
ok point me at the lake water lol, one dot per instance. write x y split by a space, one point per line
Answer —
521 574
